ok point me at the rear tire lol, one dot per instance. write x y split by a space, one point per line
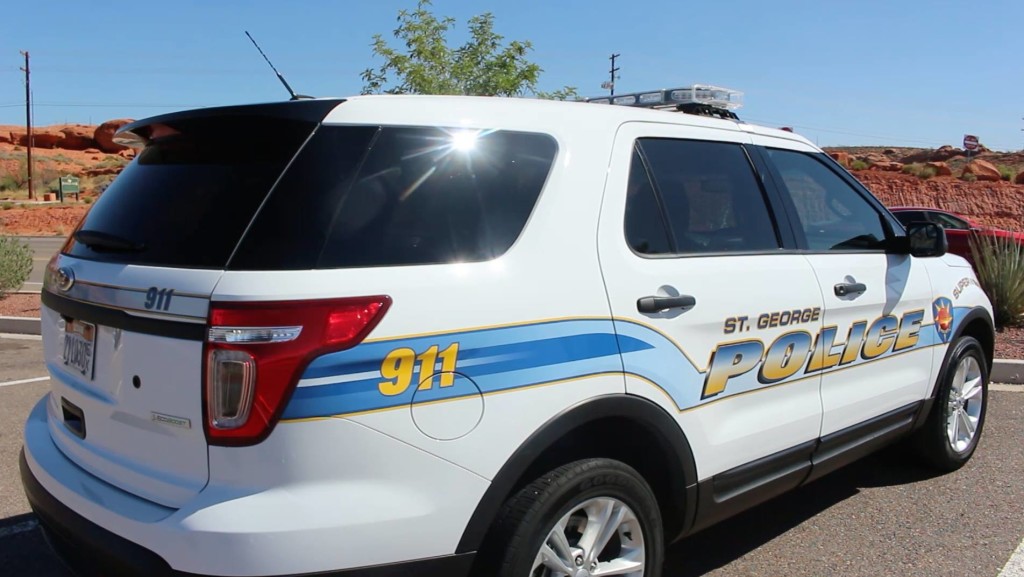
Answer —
950 435
596 515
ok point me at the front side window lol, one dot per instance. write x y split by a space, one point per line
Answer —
710 196
832 214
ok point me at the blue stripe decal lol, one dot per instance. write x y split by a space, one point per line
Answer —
505 358
496 360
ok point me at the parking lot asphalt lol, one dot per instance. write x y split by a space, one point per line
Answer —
880 516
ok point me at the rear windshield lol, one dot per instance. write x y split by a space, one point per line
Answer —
191 192
411 196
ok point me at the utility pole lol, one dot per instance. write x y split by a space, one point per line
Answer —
28 123
611 83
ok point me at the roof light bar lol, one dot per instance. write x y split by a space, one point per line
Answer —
671 98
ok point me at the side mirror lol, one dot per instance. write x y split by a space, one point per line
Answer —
924 239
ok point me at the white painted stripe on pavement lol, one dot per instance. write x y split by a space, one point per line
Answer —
18 528
1015 566
1006 388
20 337
24 381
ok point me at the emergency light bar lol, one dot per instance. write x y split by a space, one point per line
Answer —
672 98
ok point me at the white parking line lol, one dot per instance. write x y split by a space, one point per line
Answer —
1015 566
18 528
24 381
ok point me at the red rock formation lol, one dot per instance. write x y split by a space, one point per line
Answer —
999 204
104 135
984 171
887 166
77 137
842 158
941 168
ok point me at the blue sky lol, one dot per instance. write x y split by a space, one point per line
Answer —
900 73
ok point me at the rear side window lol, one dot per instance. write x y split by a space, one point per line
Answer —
191 192
710 196
417 196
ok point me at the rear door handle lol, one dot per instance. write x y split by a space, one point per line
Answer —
660 304
847 289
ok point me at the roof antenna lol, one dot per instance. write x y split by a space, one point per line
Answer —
279 77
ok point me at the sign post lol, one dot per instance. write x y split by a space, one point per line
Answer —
68 185
970 145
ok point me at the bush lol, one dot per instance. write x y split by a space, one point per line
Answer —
921 171
7 206
15 264
87 199
859 165
1007 173
968 177
999 262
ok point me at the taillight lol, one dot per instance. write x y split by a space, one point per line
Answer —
257 351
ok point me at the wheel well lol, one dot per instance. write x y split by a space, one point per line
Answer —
982 331
626 440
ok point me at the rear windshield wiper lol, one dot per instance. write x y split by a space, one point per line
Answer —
98 240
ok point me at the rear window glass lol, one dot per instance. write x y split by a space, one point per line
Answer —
191 192
417 196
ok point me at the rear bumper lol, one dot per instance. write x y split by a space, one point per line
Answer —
98 529
89 549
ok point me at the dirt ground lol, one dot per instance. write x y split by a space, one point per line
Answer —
19 305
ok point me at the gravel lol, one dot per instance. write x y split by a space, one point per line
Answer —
1010 343
20 305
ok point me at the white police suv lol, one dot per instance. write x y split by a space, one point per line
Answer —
413 335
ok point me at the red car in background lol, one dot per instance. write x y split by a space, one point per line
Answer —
958 228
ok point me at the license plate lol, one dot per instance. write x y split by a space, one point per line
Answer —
80 346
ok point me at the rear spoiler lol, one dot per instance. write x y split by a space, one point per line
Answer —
138 133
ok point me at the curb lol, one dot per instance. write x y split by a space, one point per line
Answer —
21 325
1005 371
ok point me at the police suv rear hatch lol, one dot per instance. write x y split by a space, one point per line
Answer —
126 301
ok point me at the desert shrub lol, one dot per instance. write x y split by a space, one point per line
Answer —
15 264
913 169
16 178
7 206
968 177
999 263
87 199
859 165
927 172
1006 173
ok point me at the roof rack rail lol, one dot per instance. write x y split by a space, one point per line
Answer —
700 99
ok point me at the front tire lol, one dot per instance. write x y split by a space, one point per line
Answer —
588 518
951 434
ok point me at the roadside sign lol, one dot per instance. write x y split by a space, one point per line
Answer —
970 142
68 185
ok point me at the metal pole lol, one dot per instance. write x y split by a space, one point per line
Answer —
612 72
28 124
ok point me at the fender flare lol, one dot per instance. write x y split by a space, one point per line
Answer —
971 316
672 442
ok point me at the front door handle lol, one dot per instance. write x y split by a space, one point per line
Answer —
851 288
661 304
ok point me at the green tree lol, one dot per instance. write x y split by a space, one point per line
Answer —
484 66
